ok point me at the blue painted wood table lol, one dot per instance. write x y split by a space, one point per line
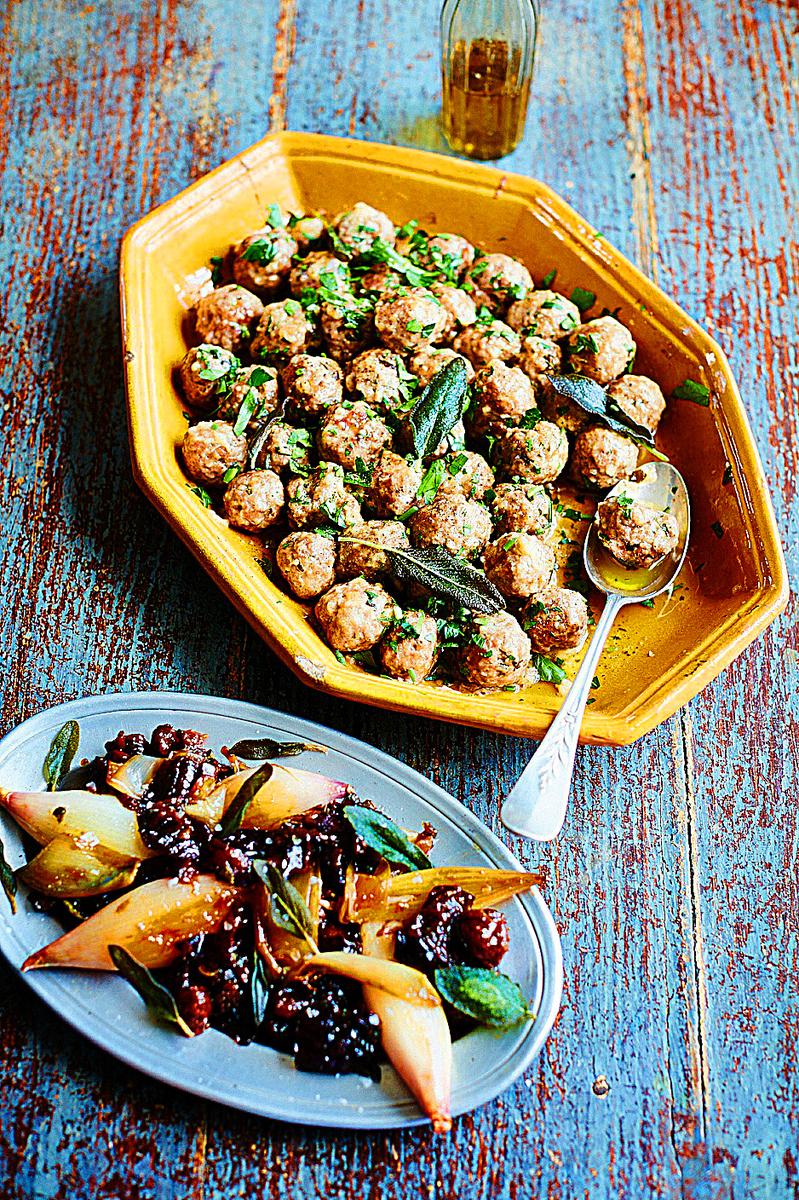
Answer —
672 125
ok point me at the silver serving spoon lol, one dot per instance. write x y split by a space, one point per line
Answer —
536 806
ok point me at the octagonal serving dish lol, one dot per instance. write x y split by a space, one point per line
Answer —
734 583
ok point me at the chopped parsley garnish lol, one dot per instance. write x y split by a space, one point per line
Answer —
718 529
549 278
201 495
550 670
583 298
697 393
260 250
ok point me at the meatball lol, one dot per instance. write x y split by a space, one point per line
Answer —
488 339
640 399
522 508
254 388
376 377
307 562
556 619
312 384
467 473
601 458
318 269
561 409
498 653
354 558
394 485
538 358
502 278
602 349
254 500
226 316
307 229
459 525
426 363
359 227
537 455
206 374
635 533
448 253
347 326
285 446
502 397
380 279
354 615
211 449
409 647
459 308
352 430
321 498
283 330
409 320
519 564
262 261
544 314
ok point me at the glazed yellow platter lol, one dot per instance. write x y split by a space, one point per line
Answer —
734 583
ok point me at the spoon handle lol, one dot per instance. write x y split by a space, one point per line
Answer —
536 806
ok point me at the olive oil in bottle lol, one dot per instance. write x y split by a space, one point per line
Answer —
487 49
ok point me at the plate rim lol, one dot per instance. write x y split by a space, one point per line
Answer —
121 1045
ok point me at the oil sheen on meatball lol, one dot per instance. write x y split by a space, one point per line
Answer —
351 431
394 484
262 261
537 455
409 320
307 562
522 508
502 396
640 399
519 564
206 374
602 349
498 653
210 449
359 227
636 534
254 500
601 458
359 550
321 498
355 614
544 314
459 525
488 339
556 620
312 384
409 647
227 316
283 331
502 278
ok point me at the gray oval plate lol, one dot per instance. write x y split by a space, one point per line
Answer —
254 1078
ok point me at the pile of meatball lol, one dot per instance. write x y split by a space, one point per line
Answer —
314 342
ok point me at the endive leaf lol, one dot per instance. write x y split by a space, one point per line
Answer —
243 799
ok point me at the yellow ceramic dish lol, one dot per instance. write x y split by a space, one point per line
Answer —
735 582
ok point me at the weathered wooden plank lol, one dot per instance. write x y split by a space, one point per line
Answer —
120 111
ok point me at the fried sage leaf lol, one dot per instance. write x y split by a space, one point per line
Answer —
381 834
486 996
439 407
8 879
443 574
243 799
158 999
592 398
289 910
260 987
63 749
257 748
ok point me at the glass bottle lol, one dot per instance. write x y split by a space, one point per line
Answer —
487 56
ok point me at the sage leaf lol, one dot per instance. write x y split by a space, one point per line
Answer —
159 1000
8 879
444 574
289 910
592 398
381 834
488 997
439 407
63 749
243 799
268 748
260 987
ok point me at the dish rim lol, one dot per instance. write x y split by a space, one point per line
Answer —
120 1043
716 648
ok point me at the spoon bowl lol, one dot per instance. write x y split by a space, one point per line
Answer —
536 806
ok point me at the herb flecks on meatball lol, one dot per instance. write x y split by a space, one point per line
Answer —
409 647
601 458
602 349
307 562
354 615
227 316
519 564
636 534
556 620
210 450
498 653
254 500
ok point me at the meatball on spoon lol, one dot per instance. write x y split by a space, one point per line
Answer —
536 806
